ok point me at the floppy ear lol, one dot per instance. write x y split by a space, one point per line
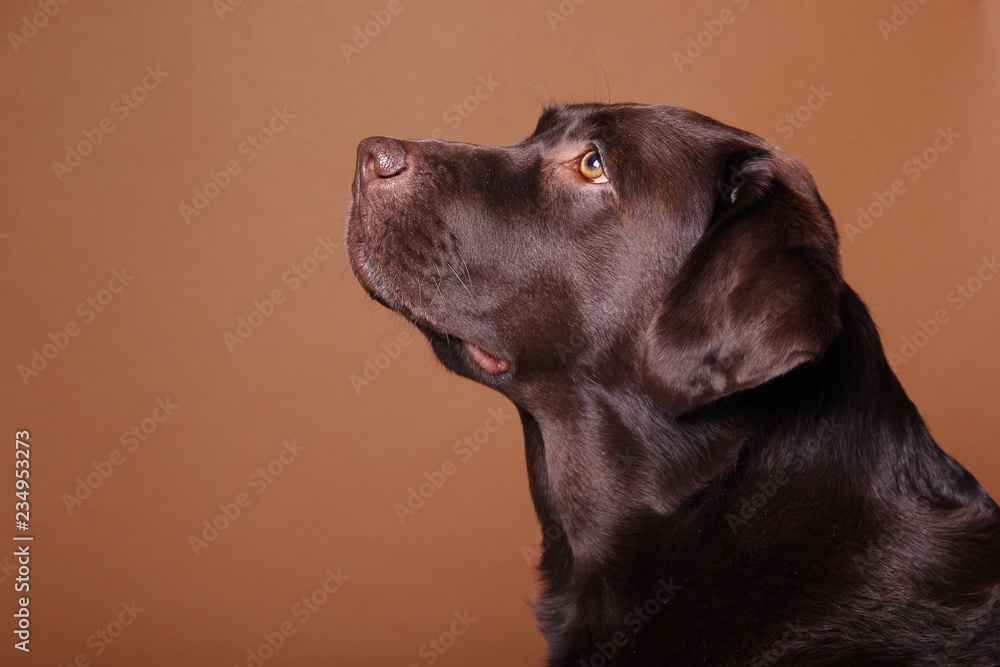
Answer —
757 296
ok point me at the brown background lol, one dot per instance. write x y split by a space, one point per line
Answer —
467 548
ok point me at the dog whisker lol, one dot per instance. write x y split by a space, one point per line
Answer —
459 278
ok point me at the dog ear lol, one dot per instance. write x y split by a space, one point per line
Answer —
758 294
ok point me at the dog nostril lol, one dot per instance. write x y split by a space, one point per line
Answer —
386 157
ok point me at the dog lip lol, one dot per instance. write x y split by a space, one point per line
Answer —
355 239
488 361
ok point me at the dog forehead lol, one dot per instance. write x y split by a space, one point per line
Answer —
590 117
579 121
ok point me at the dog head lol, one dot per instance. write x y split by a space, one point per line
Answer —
619 245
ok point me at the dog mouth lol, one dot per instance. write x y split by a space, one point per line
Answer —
461 351
447 344
488 361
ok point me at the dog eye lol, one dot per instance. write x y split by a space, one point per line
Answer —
592 167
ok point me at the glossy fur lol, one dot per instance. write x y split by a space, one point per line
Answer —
726 470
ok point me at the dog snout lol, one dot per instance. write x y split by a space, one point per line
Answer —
380 158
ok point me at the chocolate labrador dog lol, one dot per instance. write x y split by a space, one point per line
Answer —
725 468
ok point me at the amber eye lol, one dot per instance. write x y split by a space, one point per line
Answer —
592 167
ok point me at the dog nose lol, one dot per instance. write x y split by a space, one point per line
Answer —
381 157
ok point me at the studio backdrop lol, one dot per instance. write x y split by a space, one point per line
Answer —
235 457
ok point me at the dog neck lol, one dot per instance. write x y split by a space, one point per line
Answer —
609 465
613 466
